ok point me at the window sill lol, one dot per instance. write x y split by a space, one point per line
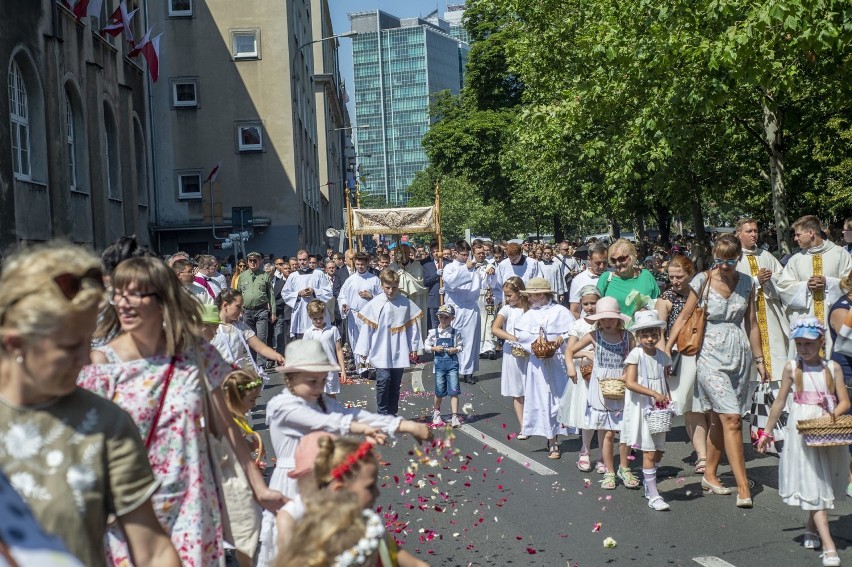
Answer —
77 191
190 197
116 200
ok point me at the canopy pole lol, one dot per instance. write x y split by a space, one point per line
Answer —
440 241
348 217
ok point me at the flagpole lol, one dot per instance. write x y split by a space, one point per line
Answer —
213 213
440 241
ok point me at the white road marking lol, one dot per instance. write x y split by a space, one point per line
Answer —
507 451
711 561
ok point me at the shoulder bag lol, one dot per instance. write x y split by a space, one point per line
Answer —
691 335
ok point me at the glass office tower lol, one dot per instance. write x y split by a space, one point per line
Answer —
398 64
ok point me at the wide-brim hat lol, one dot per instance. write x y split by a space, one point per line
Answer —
306 355
607 308
646 319
306 453
537 285
210 314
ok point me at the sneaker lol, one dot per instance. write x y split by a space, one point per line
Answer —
658 504
436 418
455 421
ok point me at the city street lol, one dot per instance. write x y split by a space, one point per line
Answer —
493 500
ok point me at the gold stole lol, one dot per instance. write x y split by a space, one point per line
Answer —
762 322
819 295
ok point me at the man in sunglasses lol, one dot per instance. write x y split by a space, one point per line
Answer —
302 287
810 282
764 269
594 268
259 308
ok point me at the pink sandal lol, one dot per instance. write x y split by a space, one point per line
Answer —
583 463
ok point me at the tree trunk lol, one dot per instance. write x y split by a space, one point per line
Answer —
698 223
773 128
664 221
616 229
558 233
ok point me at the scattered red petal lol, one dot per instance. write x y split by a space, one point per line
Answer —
531 551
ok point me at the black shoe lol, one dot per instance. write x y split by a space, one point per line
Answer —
463 378
491 355
471 379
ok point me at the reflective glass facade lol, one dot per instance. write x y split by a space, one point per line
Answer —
398 63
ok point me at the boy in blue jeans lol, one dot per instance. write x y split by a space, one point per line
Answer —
446 343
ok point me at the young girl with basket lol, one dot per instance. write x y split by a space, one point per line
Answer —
515 358
811 472
572 411
647 403
542 332
605 408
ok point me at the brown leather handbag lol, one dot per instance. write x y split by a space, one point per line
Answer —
691 335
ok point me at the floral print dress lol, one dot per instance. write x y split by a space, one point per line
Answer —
187 501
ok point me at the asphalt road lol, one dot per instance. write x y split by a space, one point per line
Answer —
482 497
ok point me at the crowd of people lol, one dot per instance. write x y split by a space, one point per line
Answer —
127 381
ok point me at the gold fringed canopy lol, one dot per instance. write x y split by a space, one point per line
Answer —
394 221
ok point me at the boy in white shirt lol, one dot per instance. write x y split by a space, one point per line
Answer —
446 343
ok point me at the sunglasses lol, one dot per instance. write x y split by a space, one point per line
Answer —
253 260
729 263
71 284
619 260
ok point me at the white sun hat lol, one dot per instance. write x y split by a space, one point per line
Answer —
647 319
305 355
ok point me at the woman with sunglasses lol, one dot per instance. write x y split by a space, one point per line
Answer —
725 360
241 267
168 379
73 456
633 287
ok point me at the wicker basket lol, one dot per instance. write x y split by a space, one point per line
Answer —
826 431
586 371
519 352
542 347
612 388
659 420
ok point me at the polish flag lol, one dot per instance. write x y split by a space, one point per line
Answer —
120 22
137 49
85 8
151 53
213 174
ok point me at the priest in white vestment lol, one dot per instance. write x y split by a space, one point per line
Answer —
462 286
302 287
517 264
358 289
411 280
810 282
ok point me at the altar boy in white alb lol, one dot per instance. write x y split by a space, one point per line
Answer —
302 287
358 289
389 339
810 282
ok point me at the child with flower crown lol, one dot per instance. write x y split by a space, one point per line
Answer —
327 464
810 477
302 407
611 344
645 380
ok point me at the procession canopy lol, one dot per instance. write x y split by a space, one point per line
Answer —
393 221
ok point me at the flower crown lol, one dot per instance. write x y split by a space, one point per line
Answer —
366 546
250 385
341 470
810 322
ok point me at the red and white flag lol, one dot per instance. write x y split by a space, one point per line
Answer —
213 173
120 22
150 50
85 8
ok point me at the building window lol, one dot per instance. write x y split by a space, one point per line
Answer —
245 44
20 123
180 8
185 93
250 137
189 184
71 144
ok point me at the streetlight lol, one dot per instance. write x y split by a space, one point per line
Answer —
350 33
361 127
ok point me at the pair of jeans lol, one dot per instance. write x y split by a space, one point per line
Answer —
258 321
388 381
447 383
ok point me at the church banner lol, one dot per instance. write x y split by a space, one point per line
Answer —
393 221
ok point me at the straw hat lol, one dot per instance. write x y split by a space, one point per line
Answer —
647 319
306 355
306 453
607 308
538 285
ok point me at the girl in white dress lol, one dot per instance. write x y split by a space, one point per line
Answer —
611 344
514 367
810 477
645 380
572 412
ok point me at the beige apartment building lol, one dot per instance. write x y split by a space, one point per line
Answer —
73 129
242 84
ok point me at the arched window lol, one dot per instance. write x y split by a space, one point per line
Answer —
111 156
71 143
20 123
141 164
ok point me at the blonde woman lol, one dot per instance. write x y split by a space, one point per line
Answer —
73 456
157 355
633 287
